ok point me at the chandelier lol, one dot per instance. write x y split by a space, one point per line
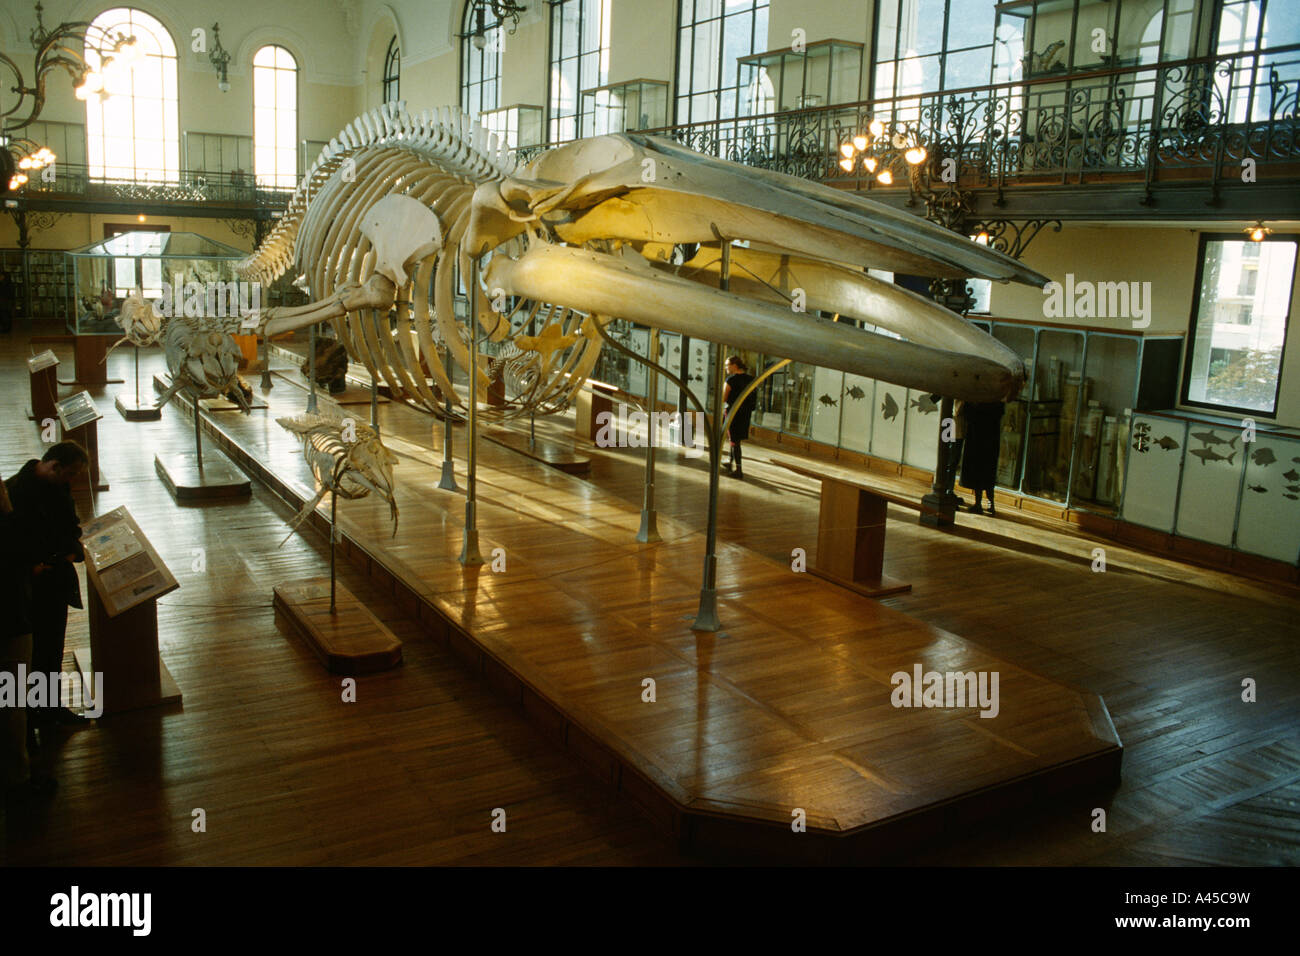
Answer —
880 154
63 48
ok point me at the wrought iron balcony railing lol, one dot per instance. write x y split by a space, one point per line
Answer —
69 181
1194 119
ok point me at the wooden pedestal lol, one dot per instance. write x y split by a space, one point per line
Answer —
135 411
90 352
45 392
217 477
591 401
349 641
87 436
123 620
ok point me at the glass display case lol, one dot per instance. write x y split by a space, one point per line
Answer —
104 273
619 107
825 73
517 125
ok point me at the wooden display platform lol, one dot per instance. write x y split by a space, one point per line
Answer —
788 709
554 454
134 411
162 381
218 477
349 641
352 395
126 576
89 354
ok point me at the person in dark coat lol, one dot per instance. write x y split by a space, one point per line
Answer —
16 563
982 431
738 379
41 493
8 299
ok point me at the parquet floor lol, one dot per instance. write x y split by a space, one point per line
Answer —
1207 778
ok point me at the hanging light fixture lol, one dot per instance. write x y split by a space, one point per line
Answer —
882 153
1258 232
502 10
219 56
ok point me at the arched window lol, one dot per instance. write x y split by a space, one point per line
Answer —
275 118
392 72
579 61
133 132
714 34
482 39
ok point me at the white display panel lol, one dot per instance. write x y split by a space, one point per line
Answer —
1155 459
887 418
1269 521
921 438
1207 502
828 400
856 419
637 374
670 357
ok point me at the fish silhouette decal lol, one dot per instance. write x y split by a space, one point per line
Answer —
889 408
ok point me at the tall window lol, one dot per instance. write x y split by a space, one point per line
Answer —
579 61
481 43
275 118
923 46
392 72
1239 323
714 34
133 132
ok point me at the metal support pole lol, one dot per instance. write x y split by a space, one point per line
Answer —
334 512
266 364
198 431
137 377
706 619
939 507
469 553
374 404
448 480
649 518
311 369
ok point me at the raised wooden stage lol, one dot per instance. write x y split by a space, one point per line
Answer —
788 710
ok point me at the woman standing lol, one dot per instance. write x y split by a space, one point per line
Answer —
982 426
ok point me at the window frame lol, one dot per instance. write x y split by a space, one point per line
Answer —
1189 347
495 47
276 110
681 28
554 68
392 79
100 158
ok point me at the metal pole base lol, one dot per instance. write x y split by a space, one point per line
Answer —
706 619
649 527
469 553
448 480
311 401
266 385
939 510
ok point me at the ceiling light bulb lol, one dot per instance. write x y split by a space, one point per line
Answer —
885 178
877 128
871 164
1257 234
846 150
846 165
982 238
25 163
915 155
860 142
479 41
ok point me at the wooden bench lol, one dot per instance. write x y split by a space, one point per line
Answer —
851 533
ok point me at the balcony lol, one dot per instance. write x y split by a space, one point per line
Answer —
1168 139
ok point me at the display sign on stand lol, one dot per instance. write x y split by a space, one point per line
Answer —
122 670
44 373
78 418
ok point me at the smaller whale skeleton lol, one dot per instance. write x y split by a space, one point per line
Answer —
347 460
205 360
141 325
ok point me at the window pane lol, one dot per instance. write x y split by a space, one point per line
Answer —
1241 323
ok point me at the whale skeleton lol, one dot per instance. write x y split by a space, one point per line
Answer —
389 219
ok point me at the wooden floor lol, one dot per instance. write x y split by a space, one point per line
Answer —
1201 769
